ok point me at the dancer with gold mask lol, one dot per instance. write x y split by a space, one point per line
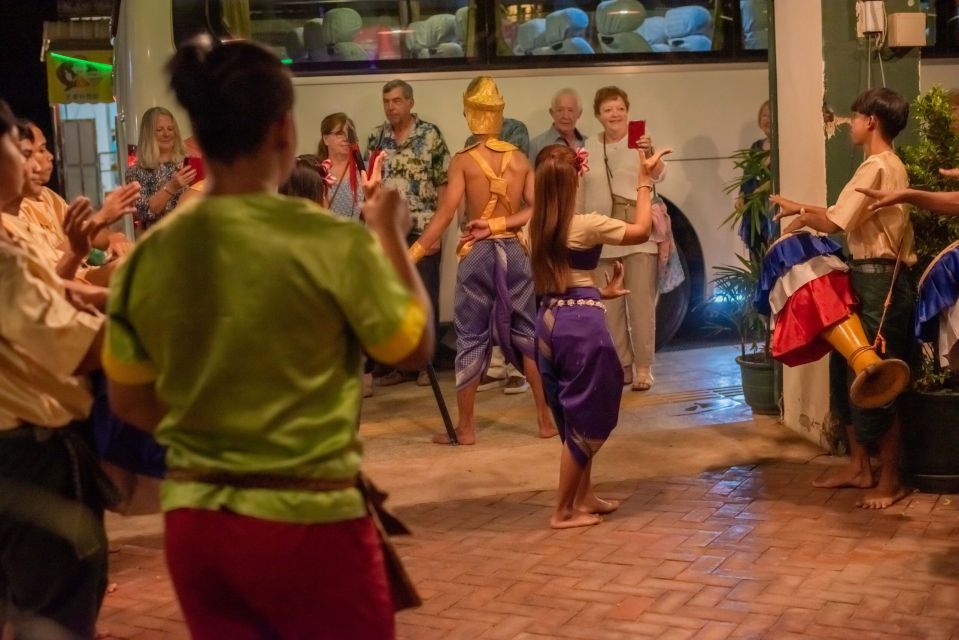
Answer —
494 287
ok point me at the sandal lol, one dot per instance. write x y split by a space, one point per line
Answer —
644 382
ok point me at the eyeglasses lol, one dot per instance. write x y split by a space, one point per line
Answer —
339 134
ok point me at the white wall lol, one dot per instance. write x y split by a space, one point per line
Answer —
802 165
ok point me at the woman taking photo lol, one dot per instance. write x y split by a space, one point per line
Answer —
610 189
582 375
159 168
336 150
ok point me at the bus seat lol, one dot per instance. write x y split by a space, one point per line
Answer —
564 33
689 28
653 30
313 40
616 23
293 42
629 42
340 26
755 14
531 35
462 24
426 37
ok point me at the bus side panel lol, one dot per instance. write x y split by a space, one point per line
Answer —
703 112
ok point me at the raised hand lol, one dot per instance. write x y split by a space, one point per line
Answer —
614 286
183 178
786 206
385 209
79 227
373 178
648 164
119 203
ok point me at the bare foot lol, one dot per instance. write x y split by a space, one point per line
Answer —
546 427
597 505
850 475
884 496
573 520
464 436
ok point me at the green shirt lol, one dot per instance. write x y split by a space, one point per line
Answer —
247 313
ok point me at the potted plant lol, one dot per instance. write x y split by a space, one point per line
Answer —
732 303
930 411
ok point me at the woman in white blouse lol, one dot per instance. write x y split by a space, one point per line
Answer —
610 189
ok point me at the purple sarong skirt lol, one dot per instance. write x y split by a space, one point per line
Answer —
582 376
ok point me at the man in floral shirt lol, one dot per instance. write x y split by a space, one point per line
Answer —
416 162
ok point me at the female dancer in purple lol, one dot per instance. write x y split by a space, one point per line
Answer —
581 372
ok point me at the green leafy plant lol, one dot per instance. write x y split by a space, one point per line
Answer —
754 185
732 307
938 147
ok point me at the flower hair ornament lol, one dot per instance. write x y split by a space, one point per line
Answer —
326 172
581 164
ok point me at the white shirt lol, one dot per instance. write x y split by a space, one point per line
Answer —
594 188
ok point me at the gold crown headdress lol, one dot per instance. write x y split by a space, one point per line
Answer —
483 106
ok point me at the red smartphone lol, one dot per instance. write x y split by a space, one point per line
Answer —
197 165
637 129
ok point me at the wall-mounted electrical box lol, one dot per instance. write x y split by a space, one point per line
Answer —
870 17
907 30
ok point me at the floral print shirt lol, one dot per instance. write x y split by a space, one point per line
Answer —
151 181
417 167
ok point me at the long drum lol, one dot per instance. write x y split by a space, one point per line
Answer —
805 288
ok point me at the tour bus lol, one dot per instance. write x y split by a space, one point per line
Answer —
694 70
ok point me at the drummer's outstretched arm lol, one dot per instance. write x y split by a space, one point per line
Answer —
807 215
942 202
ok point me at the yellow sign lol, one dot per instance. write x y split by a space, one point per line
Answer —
80 76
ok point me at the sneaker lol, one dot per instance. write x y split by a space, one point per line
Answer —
516 384
394 377
489 382
423 379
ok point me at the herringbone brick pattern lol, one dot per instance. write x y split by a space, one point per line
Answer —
744 552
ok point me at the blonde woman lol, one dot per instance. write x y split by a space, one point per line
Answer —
160 167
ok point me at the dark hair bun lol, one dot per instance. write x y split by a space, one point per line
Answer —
233 92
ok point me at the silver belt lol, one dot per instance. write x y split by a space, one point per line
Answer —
578 302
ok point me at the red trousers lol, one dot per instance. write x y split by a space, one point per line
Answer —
245 578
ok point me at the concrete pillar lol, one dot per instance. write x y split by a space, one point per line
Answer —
818 66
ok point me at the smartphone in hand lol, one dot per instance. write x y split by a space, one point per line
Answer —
637 129
197 165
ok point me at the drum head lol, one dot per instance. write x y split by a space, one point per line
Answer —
879 384
786 236
935 260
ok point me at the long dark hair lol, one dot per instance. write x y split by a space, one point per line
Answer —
307 180
233 92
553 208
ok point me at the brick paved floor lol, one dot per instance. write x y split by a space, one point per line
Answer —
720 535
745 552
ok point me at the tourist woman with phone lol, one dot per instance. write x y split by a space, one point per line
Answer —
339 152
610 189
160 168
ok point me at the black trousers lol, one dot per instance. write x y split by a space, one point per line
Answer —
53 547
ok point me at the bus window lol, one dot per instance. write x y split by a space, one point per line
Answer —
639 29
324 34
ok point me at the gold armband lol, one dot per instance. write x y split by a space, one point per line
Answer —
497 226
416 252
644 186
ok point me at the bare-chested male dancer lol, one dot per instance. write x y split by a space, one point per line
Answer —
494 287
